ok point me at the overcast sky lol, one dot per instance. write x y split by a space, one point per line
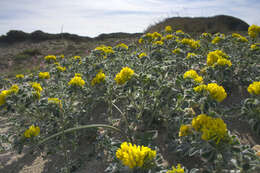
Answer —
93 17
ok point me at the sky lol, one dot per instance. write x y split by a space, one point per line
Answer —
94 17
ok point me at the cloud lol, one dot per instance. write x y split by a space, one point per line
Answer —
85 17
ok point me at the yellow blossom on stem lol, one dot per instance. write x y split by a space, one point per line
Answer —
253 31
189 55
168 29
216 92
135 156
178 169
192 74
19 76
60 68
100 77
185 130
50 58
44 75
142 55
32 131
254 88
176 51
77 81
124 75
122 45
36 86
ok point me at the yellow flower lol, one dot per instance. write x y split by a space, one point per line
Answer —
253 31
44 75
32 131
200 88
61 56
19 76
77 74
223 62
141 41
36 86
54 101
77 58
206 34
37 94
216 92
176 51
178 169
158 43
60 68
254 88
213 57
179 32
255 46
169 36
168 29
135 156
124 75
100 77
3 95
77 81
156 35
192 74
211 128
105 50
141 55
14 89
50 58
192 43
185 130
239 37
216 40
189 55
122 45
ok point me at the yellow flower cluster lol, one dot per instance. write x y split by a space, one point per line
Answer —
216 40
158 43
178 169
217 57
60 68
255 46
216 92
185 130
78 59
253 31
176 51
44 75
192 74
189 55
135 156
19 76
211 128
38 89
77 80
156 35
254 88
50 58
239 37
105 50
100 77
179 32
141 55
169 36
55 101
124 75
32 131
205 35
192 43
122 45
168 29
13 90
